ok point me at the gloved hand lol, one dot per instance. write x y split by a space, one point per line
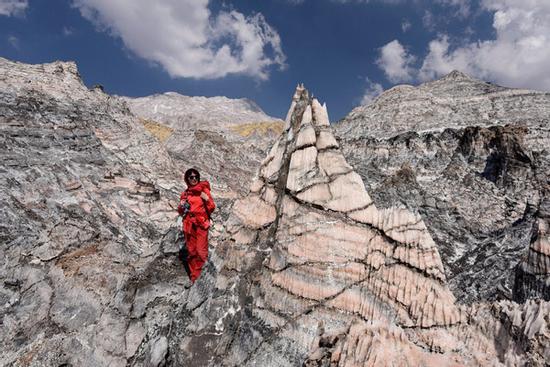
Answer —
183 207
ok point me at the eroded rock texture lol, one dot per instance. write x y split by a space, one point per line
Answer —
313 273
473 160
310 268
88 276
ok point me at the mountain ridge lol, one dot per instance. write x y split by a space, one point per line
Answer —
338 252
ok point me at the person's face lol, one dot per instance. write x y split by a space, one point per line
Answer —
193 179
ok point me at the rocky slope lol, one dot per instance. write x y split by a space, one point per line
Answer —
473 160
311 268
225 138
88 276
313 273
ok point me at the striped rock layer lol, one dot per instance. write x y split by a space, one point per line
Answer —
533 273
333 248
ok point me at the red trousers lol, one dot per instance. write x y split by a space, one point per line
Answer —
197 246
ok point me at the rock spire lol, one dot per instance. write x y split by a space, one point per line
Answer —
332 247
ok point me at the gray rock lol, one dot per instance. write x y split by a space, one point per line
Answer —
86 196
134 336
478 162
159 348
88 272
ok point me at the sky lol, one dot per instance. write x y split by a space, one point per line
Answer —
346 52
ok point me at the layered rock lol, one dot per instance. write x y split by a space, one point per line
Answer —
312 268
313 273
472 159
88 276
533 272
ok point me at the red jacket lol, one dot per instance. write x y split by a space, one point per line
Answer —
200 210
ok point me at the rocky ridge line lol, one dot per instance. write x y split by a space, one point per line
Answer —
224 138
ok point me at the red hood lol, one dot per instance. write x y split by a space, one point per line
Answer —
198 188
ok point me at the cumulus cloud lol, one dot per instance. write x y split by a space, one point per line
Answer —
13 7
396 62
519 55
186 39
372 91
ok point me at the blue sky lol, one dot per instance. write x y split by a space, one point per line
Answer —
345 51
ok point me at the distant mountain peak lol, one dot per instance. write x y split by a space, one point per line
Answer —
456 74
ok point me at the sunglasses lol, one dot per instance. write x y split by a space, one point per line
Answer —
193 177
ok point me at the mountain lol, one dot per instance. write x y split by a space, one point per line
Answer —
88 270
329 251
184 112
473 160
200 131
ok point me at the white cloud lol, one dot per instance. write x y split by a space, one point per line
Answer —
186 39
405 25
519 56
13 7
14 41
67 31
462 6
372 91
396 62
439 62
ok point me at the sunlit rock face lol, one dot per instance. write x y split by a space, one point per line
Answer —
472 159
88 276
224 138
313 273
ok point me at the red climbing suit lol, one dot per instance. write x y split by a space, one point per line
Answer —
196 224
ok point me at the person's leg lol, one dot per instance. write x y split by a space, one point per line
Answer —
201 250
192 257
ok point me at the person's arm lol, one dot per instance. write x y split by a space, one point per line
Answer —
182 202
208 201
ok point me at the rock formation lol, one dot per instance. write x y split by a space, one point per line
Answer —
313 273
472 159
225 138
310 268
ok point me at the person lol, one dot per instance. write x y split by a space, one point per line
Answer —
196 205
